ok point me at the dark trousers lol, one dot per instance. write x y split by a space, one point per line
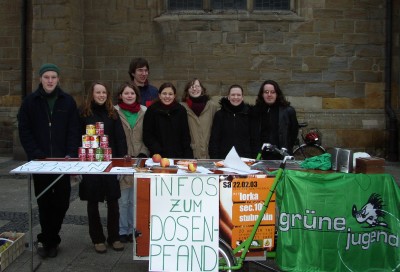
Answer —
53 205
95 226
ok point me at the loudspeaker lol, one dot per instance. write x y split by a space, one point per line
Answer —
334 156
345 161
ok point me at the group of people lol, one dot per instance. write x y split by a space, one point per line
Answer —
145 121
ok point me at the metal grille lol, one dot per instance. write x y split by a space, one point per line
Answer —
228 4
272 4
185 4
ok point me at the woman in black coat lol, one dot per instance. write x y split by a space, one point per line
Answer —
98 107
231 126
273 120
165 126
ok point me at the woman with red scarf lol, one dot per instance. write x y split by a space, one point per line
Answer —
201 110
131 113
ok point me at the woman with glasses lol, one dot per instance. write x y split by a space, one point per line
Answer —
273 120
200 109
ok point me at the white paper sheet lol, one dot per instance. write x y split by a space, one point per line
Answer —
233 163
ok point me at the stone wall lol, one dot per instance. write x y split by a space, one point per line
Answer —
328 56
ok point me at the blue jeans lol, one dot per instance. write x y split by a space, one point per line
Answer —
126 212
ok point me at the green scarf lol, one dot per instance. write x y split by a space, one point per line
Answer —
131 117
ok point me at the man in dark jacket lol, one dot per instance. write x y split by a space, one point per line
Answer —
48 127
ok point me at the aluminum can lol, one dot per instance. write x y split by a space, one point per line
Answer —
99 128
107 151
90 130
82 154
99 154
85 141
99 131
90 151
99 125
90 154
103 141
94 141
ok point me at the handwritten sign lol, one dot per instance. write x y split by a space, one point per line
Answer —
184 223
67 167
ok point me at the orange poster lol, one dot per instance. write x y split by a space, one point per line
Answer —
241 200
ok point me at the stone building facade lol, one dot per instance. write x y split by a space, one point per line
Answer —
327 55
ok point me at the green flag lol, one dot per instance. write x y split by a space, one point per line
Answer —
338 222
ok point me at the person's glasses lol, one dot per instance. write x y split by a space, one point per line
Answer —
195 86
269 92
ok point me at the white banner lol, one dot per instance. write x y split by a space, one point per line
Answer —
184 223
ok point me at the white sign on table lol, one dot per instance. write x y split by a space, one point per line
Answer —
184 223
65 167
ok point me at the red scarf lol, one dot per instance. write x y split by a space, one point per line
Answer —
197 104
135 107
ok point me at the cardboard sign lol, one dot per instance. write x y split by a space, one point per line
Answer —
184 223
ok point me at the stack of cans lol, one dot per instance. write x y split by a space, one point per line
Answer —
95 144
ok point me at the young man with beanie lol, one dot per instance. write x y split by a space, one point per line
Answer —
139 70
48 126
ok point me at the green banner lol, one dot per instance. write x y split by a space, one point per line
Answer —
338 222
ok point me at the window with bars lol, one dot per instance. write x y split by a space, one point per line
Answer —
228 4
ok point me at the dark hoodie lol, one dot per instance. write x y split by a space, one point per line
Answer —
230 128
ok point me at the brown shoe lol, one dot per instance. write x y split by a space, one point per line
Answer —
118 246
100 248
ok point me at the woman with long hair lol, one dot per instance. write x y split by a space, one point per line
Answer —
98 107
273 120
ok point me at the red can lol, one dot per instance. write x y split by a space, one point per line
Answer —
99 125
103 141
107 154
99 131
99 128
82 154
90 156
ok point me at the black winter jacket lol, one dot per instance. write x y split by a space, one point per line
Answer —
166 131
104 187
230 129
45 135
288 127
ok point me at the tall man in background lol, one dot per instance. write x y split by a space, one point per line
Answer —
139 70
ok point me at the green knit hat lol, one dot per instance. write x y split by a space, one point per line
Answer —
49 67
